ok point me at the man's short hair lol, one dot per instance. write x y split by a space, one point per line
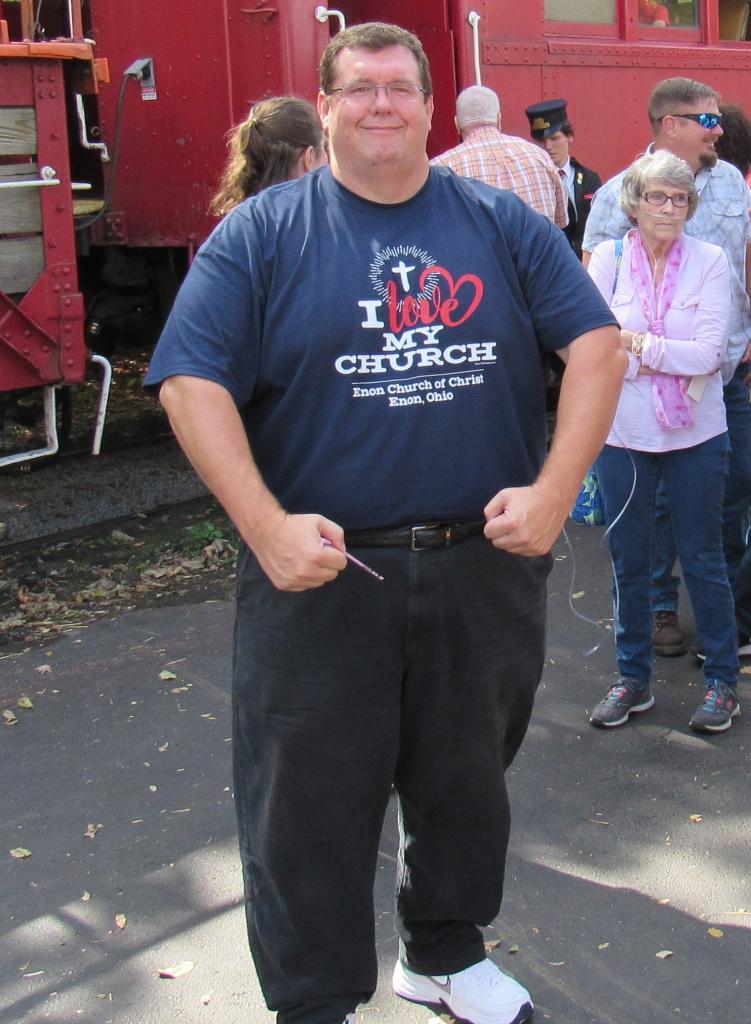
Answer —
650 171
373 35
677 92
477 105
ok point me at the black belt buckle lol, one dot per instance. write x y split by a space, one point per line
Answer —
434 542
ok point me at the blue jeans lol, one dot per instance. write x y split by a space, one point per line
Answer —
694 481
735 509
426 680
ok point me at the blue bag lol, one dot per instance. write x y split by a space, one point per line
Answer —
588 508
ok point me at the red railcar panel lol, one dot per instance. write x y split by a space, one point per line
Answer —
41 333
211 61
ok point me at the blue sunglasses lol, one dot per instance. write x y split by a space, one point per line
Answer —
707 121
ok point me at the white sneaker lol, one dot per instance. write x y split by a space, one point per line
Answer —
480 994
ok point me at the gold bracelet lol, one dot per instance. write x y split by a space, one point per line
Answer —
637 344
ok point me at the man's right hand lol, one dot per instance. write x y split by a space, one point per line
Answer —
290 551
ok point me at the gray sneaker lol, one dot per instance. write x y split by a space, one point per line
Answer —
717 710
621 700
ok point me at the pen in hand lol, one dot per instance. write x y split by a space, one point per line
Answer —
355 561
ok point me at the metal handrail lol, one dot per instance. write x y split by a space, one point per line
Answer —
474 21
323 14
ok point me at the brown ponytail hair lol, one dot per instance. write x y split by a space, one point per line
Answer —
265 149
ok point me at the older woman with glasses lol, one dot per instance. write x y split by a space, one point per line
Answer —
670 294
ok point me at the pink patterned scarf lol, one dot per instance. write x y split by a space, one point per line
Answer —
671 404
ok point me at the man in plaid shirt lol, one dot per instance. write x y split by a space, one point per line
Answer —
503 161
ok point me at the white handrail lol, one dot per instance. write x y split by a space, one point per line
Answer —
474 20
323 14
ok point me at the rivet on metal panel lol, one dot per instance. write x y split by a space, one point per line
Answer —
66 302
54 136
41 94
66 271
50 78
53 94
55 287
40 78
27 351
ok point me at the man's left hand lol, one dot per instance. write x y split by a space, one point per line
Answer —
524 520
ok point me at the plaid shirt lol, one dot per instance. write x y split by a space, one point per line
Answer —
518 166
722 218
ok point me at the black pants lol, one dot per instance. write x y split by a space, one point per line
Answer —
426 680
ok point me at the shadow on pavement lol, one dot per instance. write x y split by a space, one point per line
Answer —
625 844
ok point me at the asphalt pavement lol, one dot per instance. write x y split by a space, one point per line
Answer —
628 893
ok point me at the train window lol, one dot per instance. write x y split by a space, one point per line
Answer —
669 14
734 19
591 12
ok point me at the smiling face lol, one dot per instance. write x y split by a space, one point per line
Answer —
688 139
377 143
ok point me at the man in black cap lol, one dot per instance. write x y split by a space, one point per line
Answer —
549 127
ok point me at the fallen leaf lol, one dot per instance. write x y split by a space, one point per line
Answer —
122 538
153 789
20 852
490 946
176 971
696 818
746 670
166 674
604 945
25 702
716 933
664 954
92 829
85 896
43 668
557 963
513 948
121 920
9 717
579 593
663 902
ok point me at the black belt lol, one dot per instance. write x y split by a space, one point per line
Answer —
418 538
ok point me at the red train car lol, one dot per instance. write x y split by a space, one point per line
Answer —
113 116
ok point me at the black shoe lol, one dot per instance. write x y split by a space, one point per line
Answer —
717 710
621 700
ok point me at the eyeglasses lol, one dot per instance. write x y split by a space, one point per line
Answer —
365 92
681 200
707 121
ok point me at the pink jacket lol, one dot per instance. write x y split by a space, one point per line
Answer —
696 338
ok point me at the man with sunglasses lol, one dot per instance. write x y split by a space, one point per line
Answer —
375 331
686 120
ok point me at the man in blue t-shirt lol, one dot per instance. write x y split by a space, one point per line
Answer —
376 333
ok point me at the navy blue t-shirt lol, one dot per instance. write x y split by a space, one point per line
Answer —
387 359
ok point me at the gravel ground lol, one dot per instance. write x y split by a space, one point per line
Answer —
69 493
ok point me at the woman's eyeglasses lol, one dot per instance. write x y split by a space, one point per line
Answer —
680 200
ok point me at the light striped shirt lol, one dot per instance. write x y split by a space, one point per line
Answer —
721 218
505 161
